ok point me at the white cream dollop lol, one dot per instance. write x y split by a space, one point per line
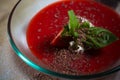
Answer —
80 48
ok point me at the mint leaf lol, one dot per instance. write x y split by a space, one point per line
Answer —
73 23
85 25
98 37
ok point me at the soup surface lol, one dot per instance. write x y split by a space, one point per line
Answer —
47 23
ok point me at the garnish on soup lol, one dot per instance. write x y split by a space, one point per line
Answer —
81 35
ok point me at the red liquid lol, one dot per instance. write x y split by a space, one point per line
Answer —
48 22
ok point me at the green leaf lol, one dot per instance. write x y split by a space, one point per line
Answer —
73 22
99 37
72 26
85 25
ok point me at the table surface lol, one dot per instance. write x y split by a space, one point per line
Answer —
11 66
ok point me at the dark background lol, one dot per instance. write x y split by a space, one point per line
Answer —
112 3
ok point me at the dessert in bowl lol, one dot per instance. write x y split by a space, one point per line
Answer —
45 34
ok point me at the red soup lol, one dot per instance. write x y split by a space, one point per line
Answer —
47 23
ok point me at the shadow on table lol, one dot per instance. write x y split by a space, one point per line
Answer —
30 72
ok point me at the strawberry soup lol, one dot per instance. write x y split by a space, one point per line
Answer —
48 22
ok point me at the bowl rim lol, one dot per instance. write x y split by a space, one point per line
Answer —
44 70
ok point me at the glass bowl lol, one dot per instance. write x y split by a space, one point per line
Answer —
19 19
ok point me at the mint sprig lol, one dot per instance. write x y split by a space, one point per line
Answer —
96 37
73 24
